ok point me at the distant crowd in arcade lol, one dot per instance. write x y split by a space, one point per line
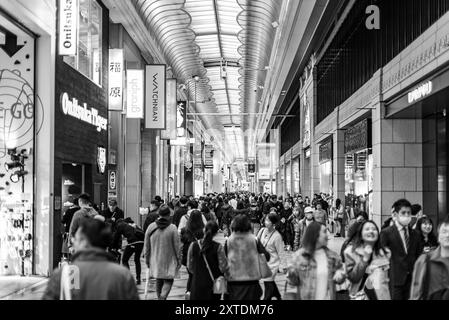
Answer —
230 244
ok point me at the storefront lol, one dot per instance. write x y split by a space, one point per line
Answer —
26 132
359 167
81 117
427 103
326 167
18 130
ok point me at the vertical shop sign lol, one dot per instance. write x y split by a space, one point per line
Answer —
68 27
112 186
134 94
155 97
116 79
170 133
197 159
181 119
209 157
101 160
307 127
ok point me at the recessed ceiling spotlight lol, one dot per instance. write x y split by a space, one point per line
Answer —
275 24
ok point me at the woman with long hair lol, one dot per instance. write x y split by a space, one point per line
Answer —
367 264
338 214
425 228
242 250
314 269
206 262
193 231
272 241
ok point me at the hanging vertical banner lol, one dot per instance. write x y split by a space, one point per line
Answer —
197 153
209 157
134 94
68 27
181 118
170 133
155 108
116 79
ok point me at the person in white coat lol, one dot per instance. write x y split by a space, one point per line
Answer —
271 239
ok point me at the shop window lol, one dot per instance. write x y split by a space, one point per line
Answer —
359 180
88 59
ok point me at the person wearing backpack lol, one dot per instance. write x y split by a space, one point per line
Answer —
431 272
134 237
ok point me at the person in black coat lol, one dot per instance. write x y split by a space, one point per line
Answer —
153 214
180 211
113 213
405 246
135 239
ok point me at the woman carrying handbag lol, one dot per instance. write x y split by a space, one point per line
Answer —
272 241
208 266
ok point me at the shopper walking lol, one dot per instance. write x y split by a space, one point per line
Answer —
243 249
425 229
153 214
338 214
86 211
367 264
255 216
320 215
193 231
314 269
206 263
180 211
162 252
272 241
113 213
135 238
96 276
431 272
284 226
191 206
405 246
227 217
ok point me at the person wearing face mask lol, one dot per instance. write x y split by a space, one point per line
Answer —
405 246
431 272
308 219
367 264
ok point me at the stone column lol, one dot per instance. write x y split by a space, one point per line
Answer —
339 165
398 165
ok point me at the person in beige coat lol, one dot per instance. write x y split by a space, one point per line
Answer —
162 252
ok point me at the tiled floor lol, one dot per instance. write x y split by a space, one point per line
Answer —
17 288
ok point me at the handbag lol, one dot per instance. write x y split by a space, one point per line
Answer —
290 292
264 269
220 285
65 293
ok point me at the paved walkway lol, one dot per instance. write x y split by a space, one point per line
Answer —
17 288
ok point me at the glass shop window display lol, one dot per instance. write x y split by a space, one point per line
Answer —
16 212
88 59
359 181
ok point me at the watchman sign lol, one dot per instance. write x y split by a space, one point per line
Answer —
155 115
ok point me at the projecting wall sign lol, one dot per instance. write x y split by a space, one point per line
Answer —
155 111
68 27
101 160
83 113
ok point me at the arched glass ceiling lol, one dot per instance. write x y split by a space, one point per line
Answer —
227 43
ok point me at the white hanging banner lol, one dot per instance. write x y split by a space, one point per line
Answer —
134 94
171 101
155 108
68 27
116 79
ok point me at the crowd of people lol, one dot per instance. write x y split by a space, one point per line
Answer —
407 258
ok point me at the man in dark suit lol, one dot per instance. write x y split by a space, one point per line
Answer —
405 246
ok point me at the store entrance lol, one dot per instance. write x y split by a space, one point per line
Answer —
435 166
17 137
